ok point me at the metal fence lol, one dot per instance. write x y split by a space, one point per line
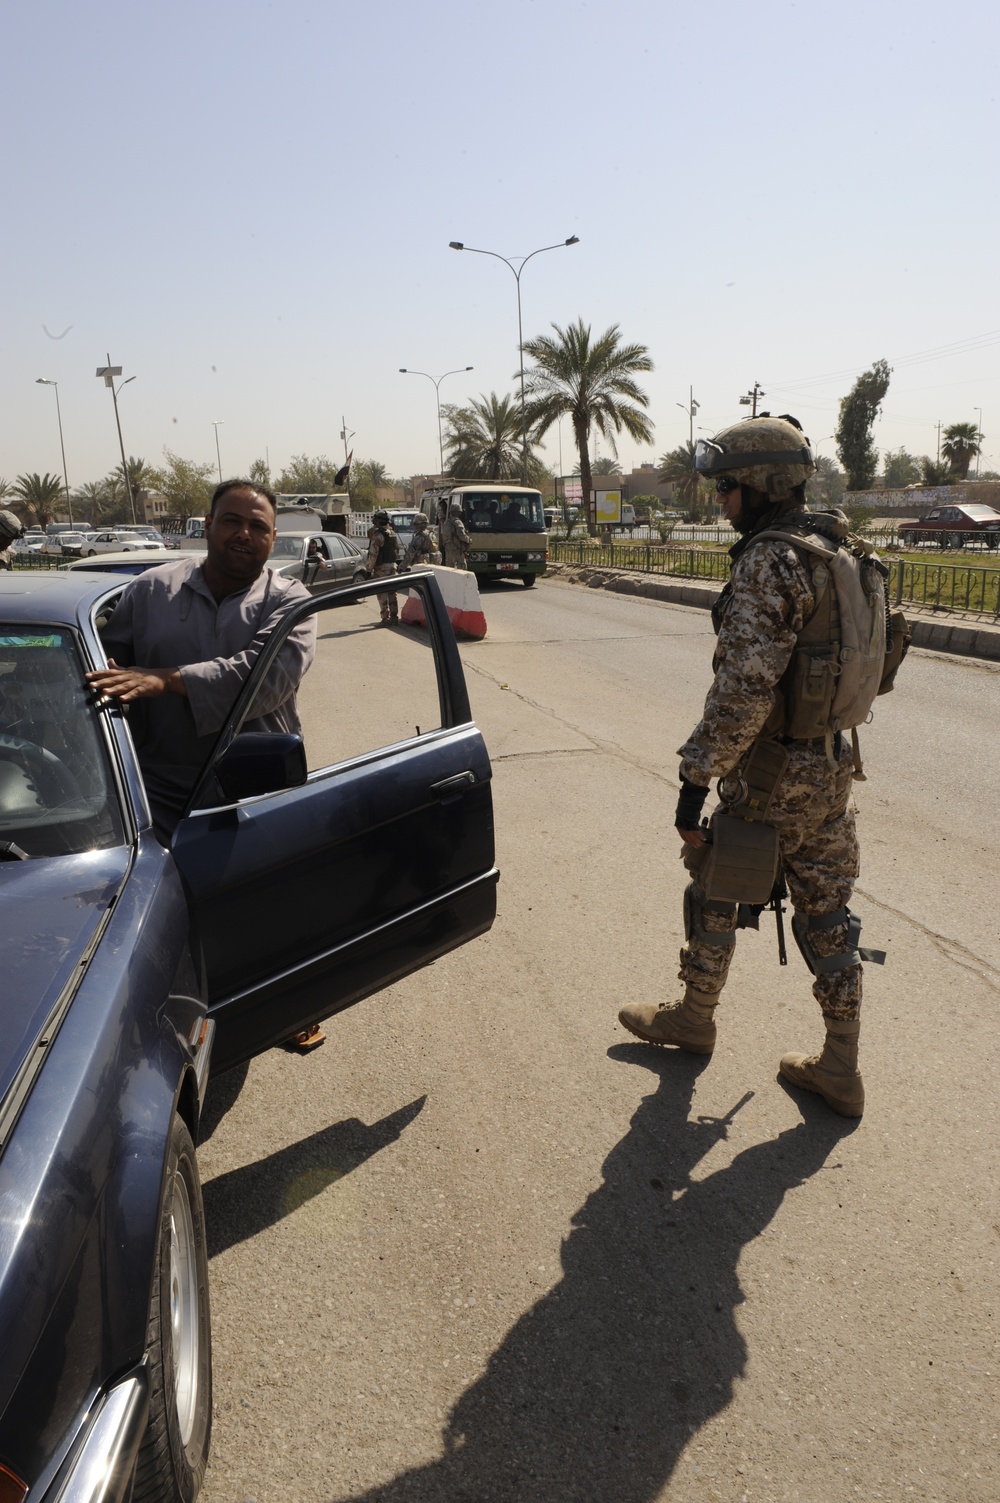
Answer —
967 588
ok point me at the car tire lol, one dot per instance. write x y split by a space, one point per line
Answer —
174 1452
529 580
360 577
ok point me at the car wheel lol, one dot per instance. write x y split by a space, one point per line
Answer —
529 580
174 1452
359 578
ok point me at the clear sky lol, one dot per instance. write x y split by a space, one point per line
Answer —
249 206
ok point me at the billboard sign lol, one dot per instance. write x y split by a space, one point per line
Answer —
607 506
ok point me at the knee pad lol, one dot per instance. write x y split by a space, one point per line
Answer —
852 954
694 906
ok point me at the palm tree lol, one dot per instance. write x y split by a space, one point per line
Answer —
141 477
483 440
933 472
591 382
678 466
605 467
960 447
39 494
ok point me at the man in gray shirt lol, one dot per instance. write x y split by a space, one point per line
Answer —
184 637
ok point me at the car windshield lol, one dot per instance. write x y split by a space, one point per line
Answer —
56 793
503 511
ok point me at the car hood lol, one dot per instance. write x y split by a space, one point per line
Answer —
51 911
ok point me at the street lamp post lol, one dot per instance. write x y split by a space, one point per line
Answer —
690 409
517 270
109 372
752 397
43 381
218 457
403 371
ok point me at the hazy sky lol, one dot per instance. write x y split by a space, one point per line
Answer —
249 205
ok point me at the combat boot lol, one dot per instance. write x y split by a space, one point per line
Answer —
834 1074
689 1024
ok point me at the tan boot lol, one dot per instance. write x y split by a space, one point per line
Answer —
689 1023
834 1074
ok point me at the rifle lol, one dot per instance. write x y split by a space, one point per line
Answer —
748 914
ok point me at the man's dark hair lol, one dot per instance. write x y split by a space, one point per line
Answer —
242 485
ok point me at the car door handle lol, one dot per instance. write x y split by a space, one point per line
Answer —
451 787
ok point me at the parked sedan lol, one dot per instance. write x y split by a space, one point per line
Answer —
290 892
954 526
322 560
111 541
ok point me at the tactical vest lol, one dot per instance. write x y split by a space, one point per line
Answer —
388 552
839 663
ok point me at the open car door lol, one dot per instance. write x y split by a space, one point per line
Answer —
368 858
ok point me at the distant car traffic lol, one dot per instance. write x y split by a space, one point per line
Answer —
954 526
120 541
27 544
322 560
401 523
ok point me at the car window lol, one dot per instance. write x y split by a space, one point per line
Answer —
57 796
368 687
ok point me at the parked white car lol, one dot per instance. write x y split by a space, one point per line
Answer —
121 542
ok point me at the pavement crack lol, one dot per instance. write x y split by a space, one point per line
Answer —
609 748
951 949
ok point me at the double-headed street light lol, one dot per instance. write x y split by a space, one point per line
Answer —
109 372
403 371
43 381
517 270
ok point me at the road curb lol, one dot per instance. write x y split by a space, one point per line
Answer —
937 630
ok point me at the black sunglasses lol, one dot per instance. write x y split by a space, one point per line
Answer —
725 484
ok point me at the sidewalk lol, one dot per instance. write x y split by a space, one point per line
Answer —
939 630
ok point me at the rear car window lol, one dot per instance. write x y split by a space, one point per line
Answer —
57 795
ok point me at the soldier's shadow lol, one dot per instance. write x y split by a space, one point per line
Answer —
597 1389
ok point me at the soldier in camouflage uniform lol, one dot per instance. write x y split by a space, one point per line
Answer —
762 465
455 540
10 530
420 549
383 553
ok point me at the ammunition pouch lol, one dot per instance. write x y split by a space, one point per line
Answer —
694 907
897 645
739 864
852 954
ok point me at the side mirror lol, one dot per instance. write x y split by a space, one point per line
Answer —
261 762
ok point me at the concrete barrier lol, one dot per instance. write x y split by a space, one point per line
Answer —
461 598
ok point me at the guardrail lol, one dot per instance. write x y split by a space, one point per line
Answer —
967 588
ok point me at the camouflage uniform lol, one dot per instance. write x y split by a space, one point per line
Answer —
10 530
455 542
421 550
769 599
378 540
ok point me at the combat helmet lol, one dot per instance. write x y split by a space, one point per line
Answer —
771 454
381 518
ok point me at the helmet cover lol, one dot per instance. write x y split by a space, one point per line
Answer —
770 454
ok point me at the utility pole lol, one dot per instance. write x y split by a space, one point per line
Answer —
979 437
938 456
690 409
752 397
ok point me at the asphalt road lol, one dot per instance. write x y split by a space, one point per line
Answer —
481 1246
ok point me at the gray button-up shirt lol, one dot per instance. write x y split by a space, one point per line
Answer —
169 618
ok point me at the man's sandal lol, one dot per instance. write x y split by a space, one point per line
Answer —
309 1038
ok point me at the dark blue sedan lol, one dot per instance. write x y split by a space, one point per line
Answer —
306 874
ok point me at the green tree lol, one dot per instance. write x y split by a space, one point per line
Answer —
483 440
858 411
260 473
827 486
961 445
40 494
361 486
96 497
605 467
899 469
678 466
306 476
934 472
593 383
186 484
5 487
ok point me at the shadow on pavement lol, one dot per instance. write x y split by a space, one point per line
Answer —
598 1388
245 1201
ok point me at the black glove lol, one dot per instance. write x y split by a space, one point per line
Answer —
689 805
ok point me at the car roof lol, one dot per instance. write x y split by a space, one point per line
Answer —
114 563
50 594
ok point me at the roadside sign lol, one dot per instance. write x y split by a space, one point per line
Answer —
608 506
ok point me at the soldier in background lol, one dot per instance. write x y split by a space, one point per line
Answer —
455 540
10 531
383 557
761 465
421 548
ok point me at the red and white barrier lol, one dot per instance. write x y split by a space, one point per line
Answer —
461 597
